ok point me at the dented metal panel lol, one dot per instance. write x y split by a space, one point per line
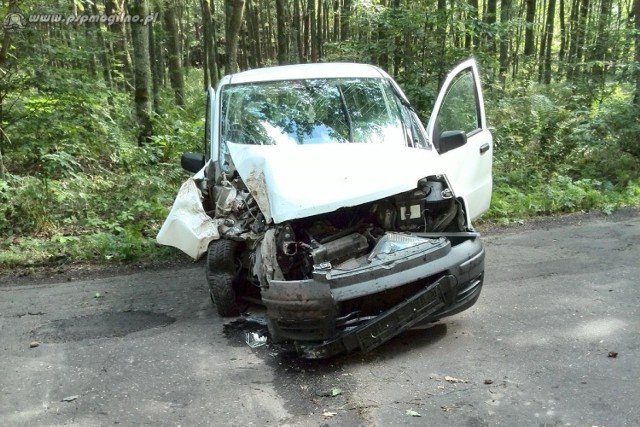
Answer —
188 227
299 181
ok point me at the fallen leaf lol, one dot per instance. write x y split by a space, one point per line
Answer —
613 354
34 344
455 380
488 381
413 413
70 398
328 414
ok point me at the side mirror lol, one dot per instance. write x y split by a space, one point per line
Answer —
192 162
452 139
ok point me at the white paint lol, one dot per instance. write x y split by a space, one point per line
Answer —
306 180
188 227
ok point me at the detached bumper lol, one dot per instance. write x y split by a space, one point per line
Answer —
363 307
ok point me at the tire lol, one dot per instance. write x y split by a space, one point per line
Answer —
221 273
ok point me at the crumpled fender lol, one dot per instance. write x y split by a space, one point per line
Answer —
187 226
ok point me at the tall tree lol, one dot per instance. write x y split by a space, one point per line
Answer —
297 31
313 29
473 16
119 46
636 11
529 40
142 70
490 20
235 10
283 53
155 72
505 17
345 18
176 76
548 36
211 58
563 35
102 49
599 53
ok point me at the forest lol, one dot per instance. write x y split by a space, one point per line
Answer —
99 98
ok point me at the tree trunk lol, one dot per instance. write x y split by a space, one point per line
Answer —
573 39
102 48
441 37
471 38
119 47
142 70
173 52
505 16
345 17
636 8
252 45
236 10
549 41
529 41
581 31
599 55
155 74
320 28
313 29
298 31
336 21
490 19
563 36
283 54
209 45
397 57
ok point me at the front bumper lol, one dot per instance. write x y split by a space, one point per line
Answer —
361 308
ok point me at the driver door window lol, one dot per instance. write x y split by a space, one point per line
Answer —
459 110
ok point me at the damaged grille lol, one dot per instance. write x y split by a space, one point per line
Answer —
363 308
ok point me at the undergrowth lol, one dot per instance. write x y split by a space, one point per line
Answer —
78 188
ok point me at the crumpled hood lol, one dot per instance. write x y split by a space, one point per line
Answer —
290 182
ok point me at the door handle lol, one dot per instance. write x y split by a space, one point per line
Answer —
484 148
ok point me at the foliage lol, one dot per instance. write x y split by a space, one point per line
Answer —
80 189
76 186
555 154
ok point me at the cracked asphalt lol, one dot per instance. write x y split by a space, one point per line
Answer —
552 341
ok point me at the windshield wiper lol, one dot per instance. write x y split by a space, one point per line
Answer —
402 100
345 110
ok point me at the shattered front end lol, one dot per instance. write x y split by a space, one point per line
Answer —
342 309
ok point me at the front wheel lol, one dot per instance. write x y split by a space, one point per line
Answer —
222 266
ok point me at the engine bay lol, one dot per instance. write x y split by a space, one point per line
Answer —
345 238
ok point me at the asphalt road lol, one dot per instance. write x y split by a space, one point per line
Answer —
560 298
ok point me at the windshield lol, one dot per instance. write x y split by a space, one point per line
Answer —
320 111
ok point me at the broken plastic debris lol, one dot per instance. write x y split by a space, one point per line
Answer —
413 413
70 398
329 414
454 380
255 339
329 393
335 392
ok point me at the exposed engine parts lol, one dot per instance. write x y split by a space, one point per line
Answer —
345 236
